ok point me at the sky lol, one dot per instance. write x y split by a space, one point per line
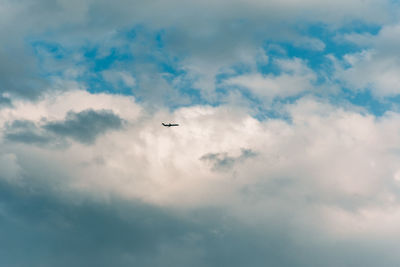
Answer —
287 152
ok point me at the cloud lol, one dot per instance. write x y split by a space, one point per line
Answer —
5 101
86 125
320 184
55 231
375 67
26 132
83 127
72 116
310 43
22 80
9 169
117 77
322 149
232 33
221 161
295 78
93 178
329 172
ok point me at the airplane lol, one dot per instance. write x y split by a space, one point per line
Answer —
169 124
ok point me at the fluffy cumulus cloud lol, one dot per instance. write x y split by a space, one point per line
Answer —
287 151
375 67
202 193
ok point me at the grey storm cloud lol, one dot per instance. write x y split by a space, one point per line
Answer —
45 231
84 127
41 228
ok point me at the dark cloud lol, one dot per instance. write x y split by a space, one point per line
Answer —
42 228
5 102
84 127
222 161
27 132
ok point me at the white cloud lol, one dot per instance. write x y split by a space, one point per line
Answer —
295 78
115 77
310 43
326 157
376 67
56 106
327 171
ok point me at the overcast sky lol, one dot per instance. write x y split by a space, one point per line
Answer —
287 153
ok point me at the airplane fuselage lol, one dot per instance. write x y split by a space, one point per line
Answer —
170 124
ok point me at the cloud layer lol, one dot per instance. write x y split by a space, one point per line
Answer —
328 172
286 154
